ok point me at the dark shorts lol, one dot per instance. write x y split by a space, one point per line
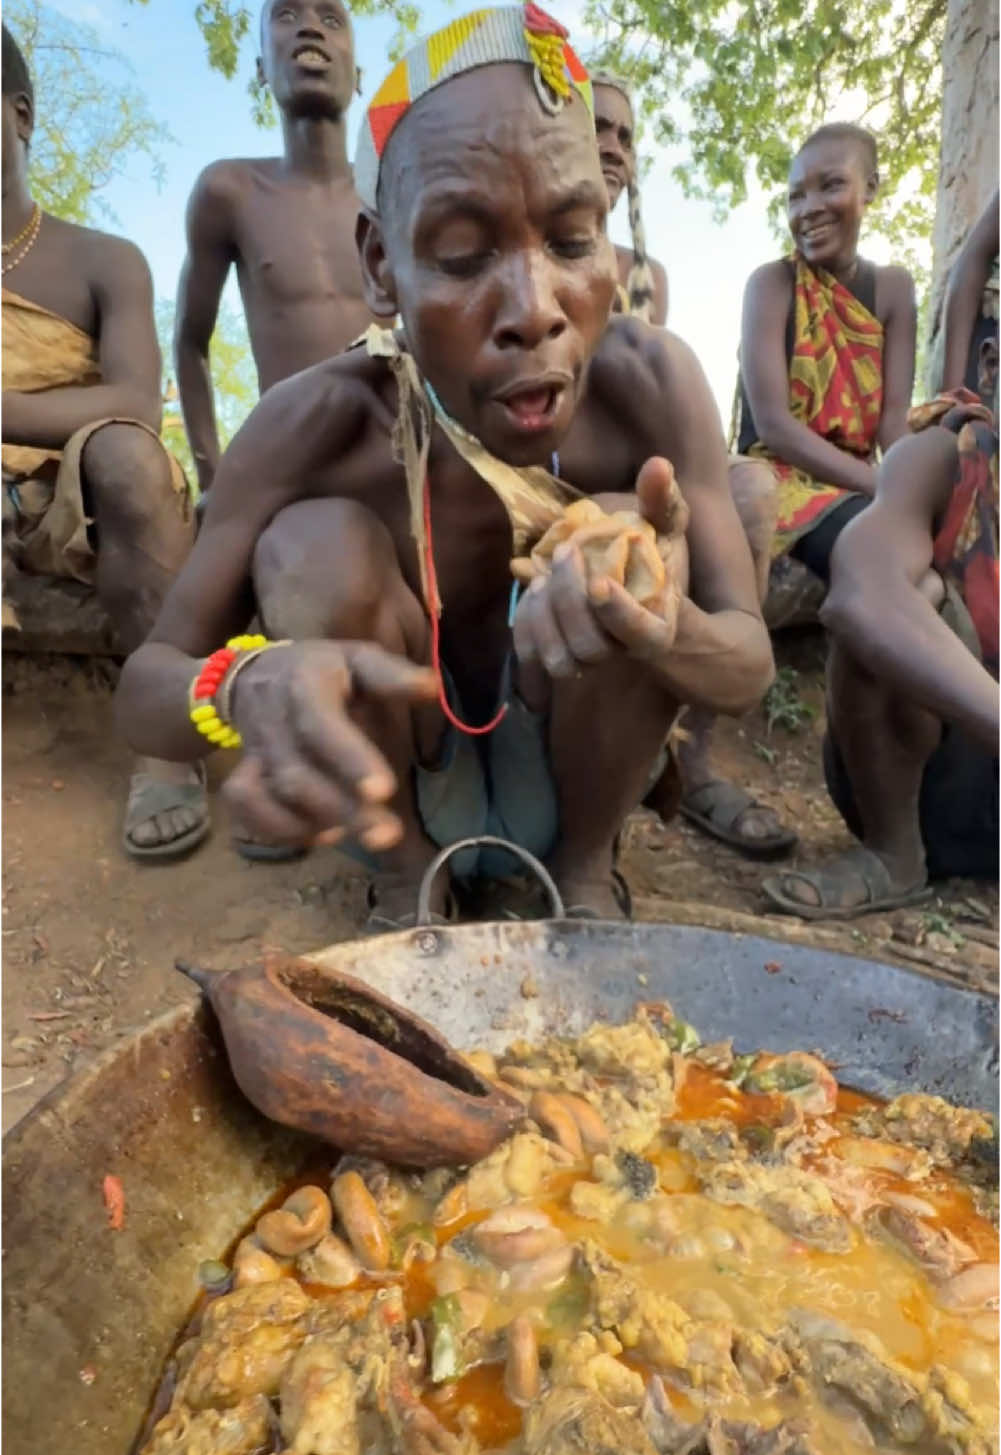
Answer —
957 810
815 548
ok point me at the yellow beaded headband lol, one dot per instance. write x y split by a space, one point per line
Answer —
482 38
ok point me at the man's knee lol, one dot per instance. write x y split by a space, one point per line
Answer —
126 459
328 567
753 487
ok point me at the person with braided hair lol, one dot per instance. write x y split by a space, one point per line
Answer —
642 290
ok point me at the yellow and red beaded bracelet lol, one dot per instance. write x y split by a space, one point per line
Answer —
201 697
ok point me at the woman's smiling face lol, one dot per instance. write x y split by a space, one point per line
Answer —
830 187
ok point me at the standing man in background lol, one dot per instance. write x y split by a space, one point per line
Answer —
288 223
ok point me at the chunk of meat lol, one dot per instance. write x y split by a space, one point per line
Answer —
713 1435
589 1361
796 1201
625 1052
940 1253
714 1139
246 1429
932 1412
245 1343
570 1421
950 1134
695 1353
515 1170
319 1402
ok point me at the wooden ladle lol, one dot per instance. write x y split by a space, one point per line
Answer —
324 1053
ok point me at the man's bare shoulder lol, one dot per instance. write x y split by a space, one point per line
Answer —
113 263
324 406
634 355
227 180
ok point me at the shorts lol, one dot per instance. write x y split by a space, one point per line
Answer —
816 547
499 784
958 803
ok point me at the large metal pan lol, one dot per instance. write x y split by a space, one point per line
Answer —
89 1315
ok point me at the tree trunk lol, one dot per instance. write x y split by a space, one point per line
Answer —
968 168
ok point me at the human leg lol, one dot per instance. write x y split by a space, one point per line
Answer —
143 533
328 569
876 757
607 729
723 809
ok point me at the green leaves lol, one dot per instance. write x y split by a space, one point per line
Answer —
234 379
91 120
740 83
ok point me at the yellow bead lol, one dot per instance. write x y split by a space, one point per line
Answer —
217 735
202 712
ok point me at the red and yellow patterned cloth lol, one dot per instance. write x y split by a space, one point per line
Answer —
966 545
835 389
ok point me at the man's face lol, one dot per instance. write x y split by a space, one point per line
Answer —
493 225
307 56
613 122
17 123
828 194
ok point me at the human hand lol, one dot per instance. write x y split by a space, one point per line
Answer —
569 619
308 773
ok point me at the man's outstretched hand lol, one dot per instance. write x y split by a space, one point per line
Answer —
566 622
309 774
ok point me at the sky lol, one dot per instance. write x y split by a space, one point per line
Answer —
209 117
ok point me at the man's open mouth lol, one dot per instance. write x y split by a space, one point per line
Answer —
531 407
310 56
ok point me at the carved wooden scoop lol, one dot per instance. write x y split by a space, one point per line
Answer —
325 1053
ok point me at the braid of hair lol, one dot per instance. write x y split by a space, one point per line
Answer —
639 283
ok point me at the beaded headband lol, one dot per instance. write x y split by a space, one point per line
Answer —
481 38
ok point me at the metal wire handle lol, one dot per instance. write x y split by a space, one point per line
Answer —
484 841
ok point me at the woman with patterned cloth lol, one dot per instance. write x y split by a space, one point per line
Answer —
827 369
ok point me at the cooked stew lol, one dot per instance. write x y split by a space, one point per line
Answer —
682 1251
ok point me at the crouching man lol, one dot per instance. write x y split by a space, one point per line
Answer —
369 509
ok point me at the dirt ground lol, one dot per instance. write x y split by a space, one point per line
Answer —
90 937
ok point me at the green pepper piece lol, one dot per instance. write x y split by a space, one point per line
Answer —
446 1350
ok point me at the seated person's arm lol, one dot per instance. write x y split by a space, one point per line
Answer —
965 291
129 358
722 656
899 342
305 766
659 311
879 605
765 372
203 275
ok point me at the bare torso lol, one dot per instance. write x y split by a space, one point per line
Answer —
334 441
297 264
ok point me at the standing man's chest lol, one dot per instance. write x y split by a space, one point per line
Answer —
296 245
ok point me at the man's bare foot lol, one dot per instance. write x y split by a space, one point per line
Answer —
594 896
392 900
167 811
